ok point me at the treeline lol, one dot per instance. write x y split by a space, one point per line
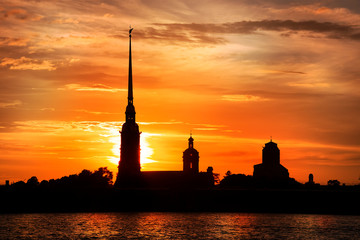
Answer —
100 178
103 178
93 191
248 181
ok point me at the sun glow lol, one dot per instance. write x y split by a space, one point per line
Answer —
146 151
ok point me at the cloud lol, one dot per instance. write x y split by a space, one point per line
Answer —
175 36
20 14
14 103
243 98
310 85
317 6
25 63
94 87
197 126
65 21
290 72
161 123
48 109
208 32
19 42
93 112
43 126
206 129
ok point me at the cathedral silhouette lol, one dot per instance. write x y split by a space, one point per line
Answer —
129 169
270 169
129 165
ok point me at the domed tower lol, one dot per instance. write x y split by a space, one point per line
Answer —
191 158
270 169
129 164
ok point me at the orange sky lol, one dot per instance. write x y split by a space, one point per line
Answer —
232 72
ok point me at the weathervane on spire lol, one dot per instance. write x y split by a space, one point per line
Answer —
130 30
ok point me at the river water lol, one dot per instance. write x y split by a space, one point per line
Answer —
177 226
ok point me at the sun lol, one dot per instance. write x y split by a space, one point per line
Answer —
146 151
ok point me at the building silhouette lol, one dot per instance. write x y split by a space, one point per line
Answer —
189 177
270 169
129 169
311 179
191 158
129 164
311 183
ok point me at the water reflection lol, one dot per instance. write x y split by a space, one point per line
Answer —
178 226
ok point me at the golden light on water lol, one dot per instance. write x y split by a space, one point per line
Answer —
64 96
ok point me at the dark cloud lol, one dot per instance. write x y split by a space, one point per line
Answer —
209 33
19 14
175 30
253 26
355 36
13 41
16 13
351 5
292 72
175 36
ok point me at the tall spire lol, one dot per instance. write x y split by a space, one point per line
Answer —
130 87
130 109
129 164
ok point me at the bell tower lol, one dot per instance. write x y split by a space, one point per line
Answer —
191 158
129 164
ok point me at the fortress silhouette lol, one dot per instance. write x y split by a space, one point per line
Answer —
269 189
129 169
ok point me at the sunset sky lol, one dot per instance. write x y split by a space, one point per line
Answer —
232 72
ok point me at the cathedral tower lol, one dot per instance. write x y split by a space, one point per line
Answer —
129 164
271 154
270 169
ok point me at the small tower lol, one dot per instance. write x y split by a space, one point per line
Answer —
311 183
191 158
311 178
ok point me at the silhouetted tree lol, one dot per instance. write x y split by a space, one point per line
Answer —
44 183
104 176
333 183
216 178
228 173
85 174
33 181
236 180
18 185
100 178
85 179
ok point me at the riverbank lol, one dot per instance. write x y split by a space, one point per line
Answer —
181 200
